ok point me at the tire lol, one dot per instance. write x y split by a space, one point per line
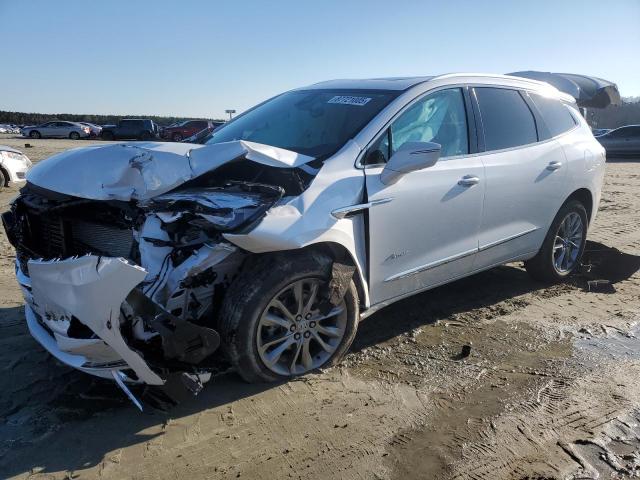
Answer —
74 136
145 136
3 180
544 266
250 297
35 134
177 137
107 135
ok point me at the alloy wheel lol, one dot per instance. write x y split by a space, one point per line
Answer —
567 243
293 335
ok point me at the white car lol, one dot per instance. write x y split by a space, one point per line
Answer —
13 166
295 221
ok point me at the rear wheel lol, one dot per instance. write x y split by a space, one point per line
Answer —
177 137
273 322
563 246
3 180
74 136
35 134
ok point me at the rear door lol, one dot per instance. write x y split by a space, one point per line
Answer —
423 230
525 172
47 129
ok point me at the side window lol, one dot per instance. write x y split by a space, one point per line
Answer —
440 117
626 132
555 114
379 152
507 120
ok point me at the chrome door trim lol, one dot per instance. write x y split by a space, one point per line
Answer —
352 209
507 239
429 266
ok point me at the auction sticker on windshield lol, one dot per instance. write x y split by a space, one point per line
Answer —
349 100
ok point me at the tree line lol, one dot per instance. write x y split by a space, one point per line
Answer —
22 118
611 117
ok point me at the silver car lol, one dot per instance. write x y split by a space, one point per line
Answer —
621 141
57 129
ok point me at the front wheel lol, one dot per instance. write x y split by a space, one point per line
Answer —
177 137
275 321
34 134
563 246
74 136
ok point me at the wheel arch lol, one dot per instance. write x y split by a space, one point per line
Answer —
339 253
584 196
7 177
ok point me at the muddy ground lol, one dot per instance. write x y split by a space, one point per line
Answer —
492 377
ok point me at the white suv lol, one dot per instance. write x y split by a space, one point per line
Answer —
296 220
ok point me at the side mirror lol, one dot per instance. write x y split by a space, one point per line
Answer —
409 157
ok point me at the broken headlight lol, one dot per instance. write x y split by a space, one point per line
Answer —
228 208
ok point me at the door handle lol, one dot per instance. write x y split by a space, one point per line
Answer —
554 165
468 181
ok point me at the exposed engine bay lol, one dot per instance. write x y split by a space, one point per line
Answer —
128 286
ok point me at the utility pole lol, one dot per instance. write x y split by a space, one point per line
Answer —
230 112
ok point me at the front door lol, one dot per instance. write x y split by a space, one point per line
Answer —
423 229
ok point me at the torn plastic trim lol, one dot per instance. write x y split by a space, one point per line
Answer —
92 289
143 170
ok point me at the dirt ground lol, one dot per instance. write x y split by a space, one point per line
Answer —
492 377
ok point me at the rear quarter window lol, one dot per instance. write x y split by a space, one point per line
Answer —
507 121
555 114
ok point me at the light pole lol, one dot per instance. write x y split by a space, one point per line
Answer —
230 112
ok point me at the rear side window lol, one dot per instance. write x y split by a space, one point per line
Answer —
507 120
555 114
625 132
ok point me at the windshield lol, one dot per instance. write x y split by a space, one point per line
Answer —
311 122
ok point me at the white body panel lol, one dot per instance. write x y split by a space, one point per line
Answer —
428 233
14 164
422 231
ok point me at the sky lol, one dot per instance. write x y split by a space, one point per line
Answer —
199 58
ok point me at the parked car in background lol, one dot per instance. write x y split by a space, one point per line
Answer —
4 128
130 128
297 219
186 129
13 166
203 135
623 141
94 130
57 129
600 131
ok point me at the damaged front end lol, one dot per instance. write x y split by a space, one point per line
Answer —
128 289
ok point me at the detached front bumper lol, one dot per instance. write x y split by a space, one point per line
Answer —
87 290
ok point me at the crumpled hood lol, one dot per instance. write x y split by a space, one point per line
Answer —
143 170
